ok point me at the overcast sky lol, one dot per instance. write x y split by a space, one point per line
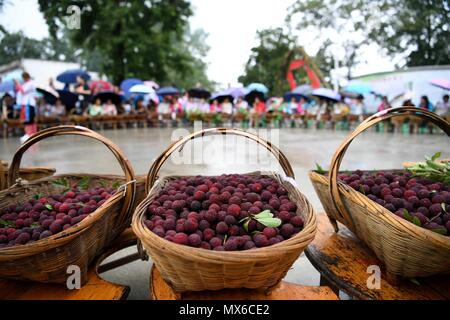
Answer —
231 25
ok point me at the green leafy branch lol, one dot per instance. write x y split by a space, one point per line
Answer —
265 218
432 169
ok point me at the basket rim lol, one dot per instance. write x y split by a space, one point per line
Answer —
412 228
305 235
74 231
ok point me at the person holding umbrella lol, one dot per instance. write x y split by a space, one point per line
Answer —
26 99
81 87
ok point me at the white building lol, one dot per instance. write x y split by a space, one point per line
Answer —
40 70
415 81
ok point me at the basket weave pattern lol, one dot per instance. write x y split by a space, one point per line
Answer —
406 249
47 260
186 268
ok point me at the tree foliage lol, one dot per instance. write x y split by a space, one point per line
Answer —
416 30
143 39
420 28
268 61
15 46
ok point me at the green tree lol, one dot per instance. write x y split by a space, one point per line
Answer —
14 46
416 30
191 53
338 29
135 38
268 61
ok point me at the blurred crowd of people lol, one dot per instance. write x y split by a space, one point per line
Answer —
173 109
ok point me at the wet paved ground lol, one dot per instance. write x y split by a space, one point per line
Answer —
302 147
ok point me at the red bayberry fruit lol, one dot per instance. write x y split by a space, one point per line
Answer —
234 210
181 238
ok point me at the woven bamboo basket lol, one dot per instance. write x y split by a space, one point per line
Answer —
406 249
47 260
28 174
193 269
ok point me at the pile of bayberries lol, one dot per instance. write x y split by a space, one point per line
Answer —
227 212
43 216
419 200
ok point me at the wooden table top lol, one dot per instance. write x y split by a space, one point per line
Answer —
160 290
342 260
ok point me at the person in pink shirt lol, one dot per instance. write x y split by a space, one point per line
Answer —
384 104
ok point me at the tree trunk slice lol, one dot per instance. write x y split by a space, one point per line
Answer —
160 290
96 288
342 259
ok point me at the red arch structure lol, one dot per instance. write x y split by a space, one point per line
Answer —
297 59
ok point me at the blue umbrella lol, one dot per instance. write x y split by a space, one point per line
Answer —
304 90
166 91
327 94
126 85
289 95
7 86
70 76
257 87
357 87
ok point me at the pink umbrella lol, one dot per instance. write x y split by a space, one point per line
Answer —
441 83
101 85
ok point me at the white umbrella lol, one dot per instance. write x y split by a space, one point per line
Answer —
141 88
151 84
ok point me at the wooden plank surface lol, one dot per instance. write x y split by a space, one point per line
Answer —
342 260
95 289
160 290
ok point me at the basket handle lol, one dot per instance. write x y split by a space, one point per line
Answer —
152 175
369 122
64 130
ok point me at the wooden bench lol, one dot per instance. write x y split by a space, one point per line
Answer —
342 260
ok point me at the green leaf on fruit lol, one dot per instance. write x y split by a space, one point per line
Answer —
440 230
116 184
37 196
83 183
416 221
49 207
270 222
319 169
263 214
255 232
61 182
245 226
6 223
33 226
103 183
408 216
